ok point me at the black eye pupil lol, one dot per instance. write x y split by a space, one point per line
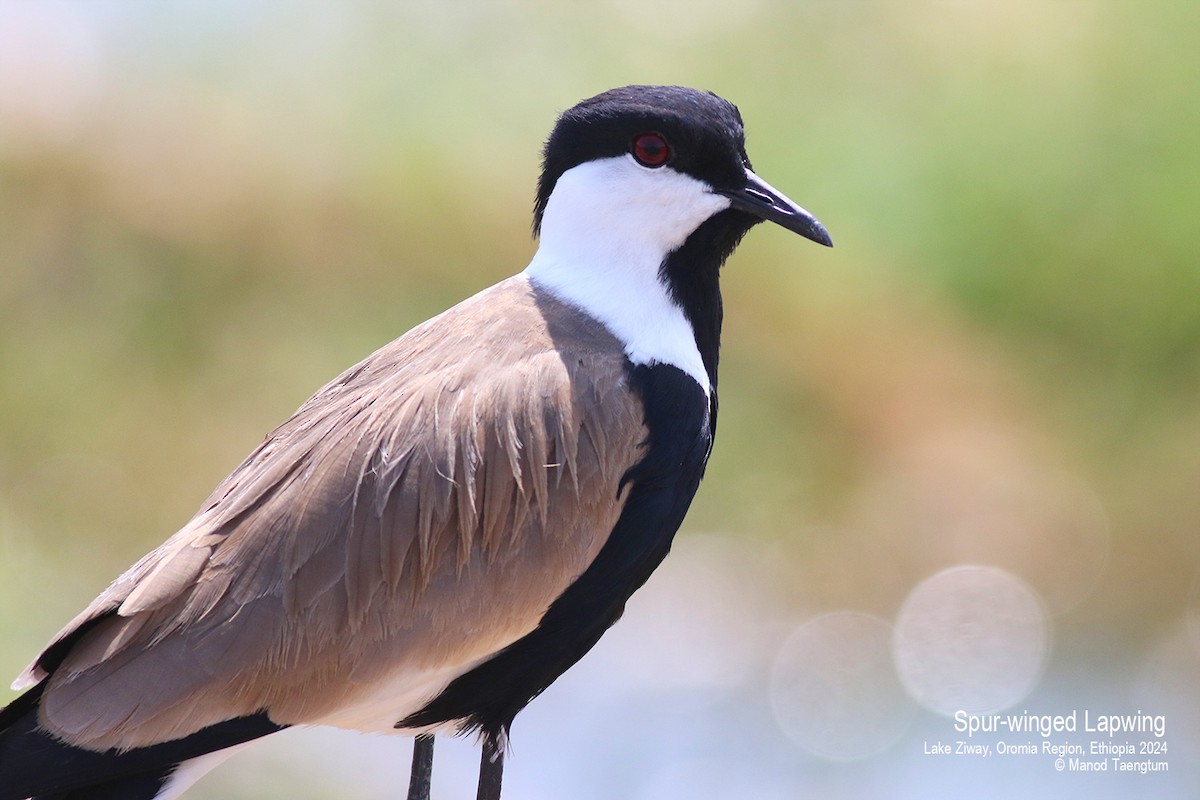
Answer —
651 150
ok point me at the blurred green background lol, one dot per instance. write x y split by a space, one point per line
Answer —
209 209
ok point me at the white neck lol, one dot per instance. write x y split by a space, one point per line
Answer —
607 229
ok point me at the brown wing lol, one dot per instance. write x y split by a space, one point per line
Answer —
417 514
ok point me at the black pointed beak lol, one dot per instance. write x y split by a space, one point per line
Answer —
759 198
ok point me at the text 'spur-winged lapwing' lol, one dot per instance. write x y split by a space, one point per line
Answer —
449 525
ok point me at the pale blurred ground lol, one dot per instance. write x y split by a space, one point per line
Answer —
959 455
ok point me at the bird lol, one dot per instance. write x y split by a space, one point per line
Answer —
445 528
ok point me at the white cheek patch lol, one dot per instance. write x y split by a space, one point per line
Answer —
607 228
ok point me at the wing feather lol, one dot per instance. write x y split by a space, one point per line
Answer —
417 514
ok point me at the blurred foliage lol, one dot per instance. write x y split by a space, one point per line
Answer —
208 210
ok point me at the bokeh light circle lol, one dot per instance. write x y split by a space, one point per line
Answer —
834 689
970 638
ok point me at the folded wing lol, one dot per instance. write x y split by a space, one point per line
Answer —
418 514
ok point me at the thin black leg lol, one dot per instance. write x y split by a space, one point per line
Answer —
491 770
422 767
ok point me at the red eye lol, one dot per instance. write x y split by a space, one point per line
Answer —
651 150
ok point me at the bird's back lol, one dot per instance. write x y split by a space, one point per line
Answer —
416 515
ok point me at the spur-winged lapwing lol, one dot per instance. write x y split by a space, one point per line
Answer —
448 526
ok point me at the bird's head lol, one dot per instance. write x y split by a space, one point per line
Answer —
645 192
649 165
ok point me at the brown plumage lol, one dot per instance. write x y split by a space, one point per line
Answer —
441 532
395 527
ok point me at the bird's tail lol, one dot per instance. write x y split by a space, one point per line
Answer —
34 764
